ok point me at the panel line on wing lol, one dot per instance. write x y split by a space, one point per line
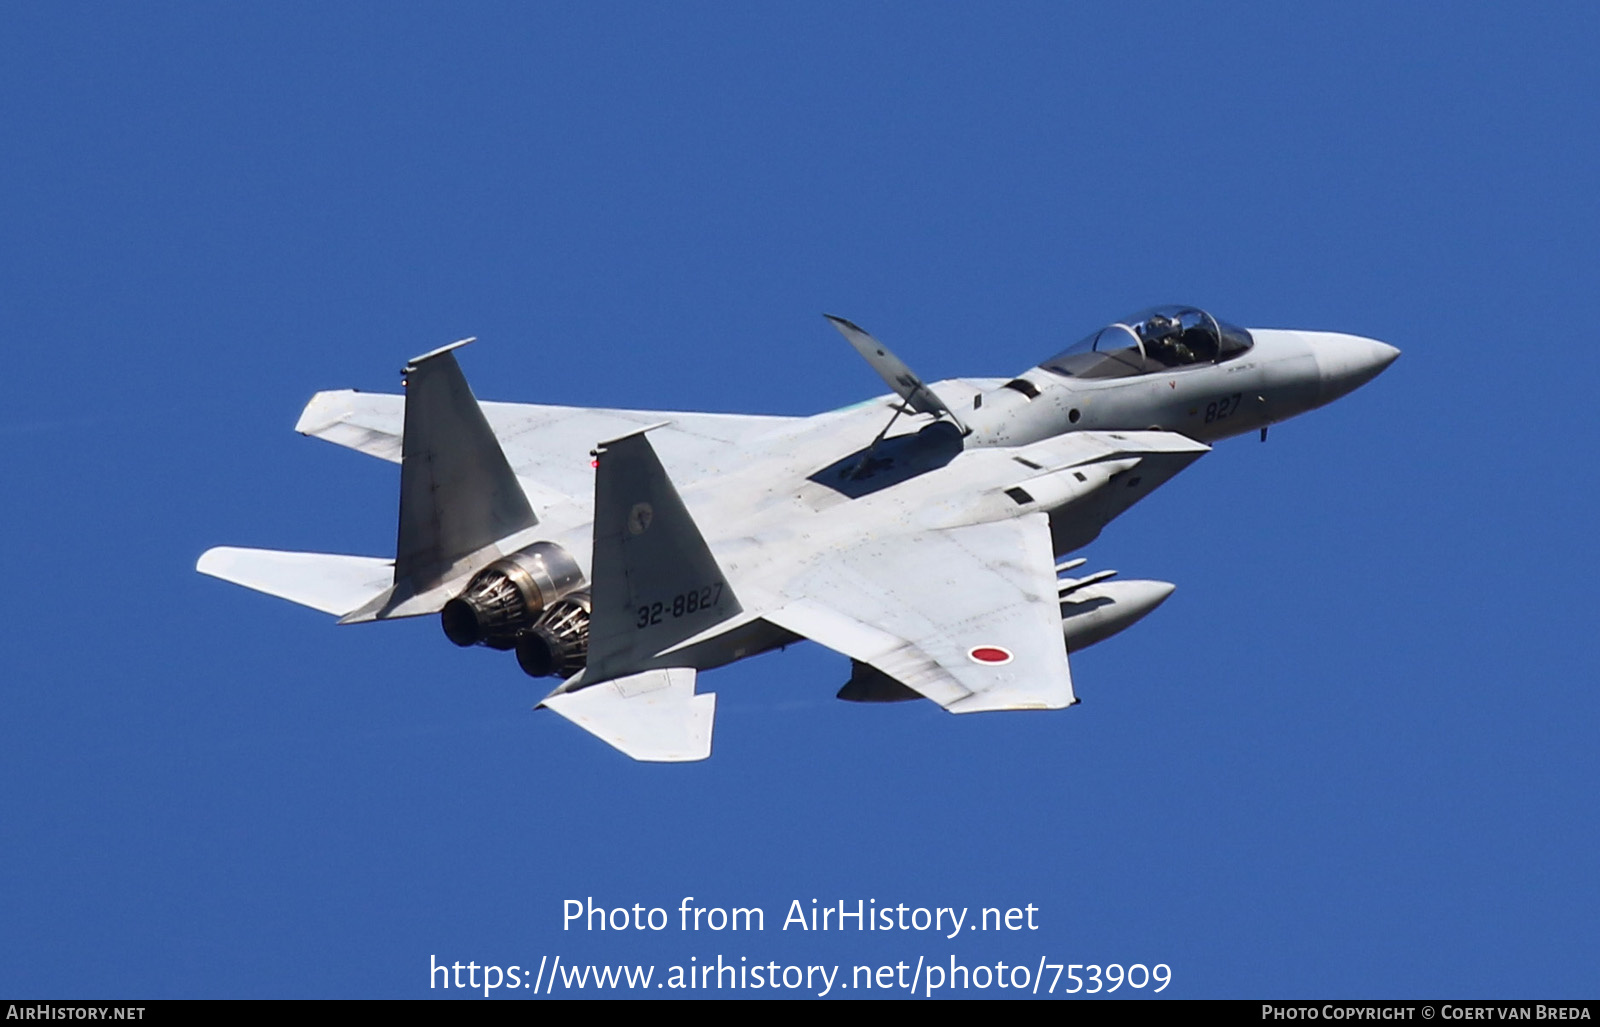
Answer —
916 606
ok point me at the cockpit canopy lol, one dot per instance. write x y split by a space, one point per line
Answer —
1152 341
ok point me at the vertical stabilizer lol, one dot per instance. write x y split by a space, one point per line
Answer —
457 492
655 580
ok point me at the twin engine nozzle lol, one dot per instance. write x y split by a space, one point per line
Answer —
532 601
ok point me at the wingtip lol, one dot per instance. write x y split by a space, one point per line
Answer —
208 559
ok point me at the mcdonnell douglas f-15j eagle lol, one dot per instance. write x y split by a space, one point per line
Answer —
622 551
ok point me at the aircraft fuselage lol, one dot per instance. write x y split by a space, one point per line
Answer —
1285 373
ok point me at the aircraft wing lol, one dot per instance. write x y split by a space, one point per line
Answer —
547 445
966 616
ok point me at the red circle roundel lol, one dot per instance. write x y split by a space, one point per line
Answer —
991 654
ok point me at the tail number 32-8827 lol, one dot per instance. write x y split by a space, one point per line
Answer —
681 605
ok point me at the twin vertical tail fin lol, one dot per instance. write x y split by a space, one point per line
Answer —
655 584
655 580
458 493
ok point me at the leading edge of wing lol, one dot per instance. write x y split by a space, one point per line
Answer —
545 444
966 616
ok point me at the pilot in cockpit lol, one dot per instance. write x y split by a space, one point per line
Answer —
1162 341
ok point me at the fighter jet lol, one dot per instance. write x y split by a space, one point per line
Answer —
920 534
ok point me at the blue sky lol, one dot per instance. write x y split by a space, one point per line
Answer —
1352 756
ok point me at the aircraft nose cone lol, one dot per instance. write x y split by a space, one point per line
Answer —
1348 362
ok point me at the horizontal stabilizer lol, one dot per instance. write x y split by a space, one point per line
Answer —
323 581
653 716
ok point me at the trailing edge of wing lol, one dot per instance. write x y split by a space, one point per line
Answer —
654 716
323 581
